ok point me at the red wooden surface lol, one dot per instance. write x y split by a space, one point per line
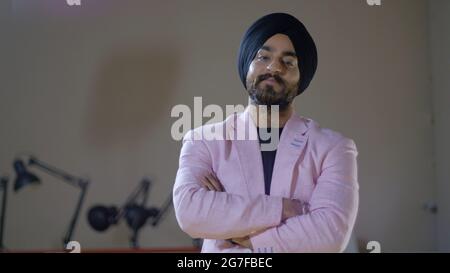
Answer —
110 250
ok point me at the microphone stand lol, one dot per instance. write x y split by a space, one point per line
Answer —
162 211
4 188
131 203
136 213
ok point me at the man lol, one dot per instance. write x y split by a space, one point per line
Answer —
301 196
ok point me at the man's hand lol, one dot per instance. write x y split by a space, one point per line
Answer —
291 208
244 241
212 183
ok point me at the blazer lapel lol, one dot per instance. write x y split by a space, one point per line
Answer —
292 143
249 153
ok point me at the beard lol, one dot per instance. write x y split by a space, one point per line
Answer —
266 95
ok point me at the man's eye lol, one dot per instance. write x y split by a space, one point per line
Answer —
289 63
263 58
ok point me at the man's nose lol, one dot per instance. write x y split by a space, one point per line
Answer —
275 67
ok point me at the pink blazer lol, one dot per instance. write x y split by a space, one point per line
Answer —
315 165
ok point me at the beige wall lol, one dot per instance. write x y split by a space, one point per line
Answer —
90 90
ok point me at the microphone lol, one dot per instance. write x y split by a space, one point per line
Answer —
101 217
137 215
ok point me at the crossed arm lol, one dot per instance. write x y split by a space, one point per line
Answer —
290 208
204 210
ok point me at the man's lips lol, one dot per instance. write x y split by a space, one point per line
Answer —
270 80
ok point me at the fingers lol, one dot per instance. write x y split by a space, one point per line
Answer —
236 240
215 182
244 241
207 184
291 208
211 183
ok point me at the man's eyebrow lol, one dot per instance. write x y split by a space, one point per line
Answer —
285 53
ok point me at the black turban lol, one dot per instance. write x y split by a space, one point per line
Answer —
279 23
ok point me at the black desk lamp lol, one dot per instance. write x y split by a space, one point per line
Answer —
24 177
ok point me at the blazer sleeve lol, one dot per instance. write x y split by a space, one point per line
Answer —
333 207
216 215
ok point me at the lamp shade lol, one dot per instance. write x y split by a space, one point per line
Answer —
23 176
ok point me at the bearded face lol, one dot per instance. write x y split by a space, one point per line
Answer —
263 91
273 76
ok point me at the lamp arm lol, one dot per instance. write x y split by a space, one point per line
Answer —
70 179
73 221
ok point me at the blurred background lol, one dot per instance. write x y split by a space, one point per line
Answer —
89 89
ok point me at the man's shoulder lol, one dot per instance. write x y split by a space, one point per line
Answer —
323 136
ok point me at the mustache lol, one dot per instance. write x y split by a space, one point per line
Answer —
277 78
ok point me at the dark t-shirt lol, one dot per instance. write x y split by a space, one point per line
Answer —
268 160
